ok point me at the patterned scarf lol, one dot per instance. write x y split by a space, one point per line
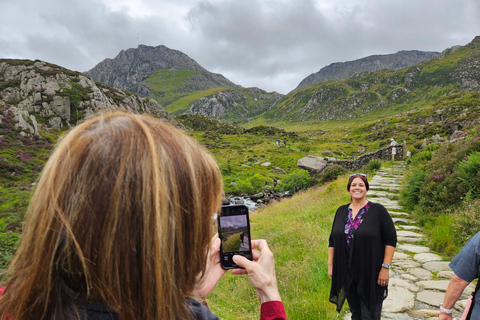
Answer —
352 224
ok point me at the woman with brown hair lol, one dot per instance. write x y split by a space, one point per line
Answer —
119 227
361 247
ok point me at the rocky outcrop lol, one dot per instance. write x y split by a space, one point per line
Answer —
127 70
42 94
345 70
234 104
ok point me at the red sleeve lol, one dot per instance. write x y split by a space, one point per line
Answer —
272 310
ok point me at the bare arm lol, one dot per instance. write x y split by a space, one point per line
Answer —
454 291
383 275
330 262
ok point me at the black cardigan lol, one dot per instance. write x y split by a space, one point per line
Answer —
363 262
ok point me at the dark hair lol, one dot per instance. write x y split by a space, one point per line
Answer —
364 179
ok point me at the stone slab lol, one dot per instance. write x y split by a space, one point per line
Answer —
420 273
427 257
406 264
400 220
433 298
405 233
436 266
445 274
400 256
414 248
401 283
399 300
409 239
440 285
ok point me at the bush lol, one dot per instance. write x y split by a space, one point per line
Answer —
410 194
332 173
469 174
374 165
244 186
295 180
259 182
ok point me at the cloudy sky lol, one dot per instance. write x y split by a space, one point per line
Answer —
271 44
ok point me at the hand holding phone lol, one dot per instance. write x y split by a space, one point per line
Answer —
234 232
261 271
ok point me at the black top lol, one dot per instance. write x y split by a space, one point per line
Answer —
363 260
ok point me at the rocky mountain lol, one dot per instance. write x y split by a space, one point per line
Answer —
454 70
130 67
344 70
43 95
181 85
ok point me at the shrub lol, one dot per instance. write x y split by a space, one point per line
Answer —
410 194
469 174
466 221
374 165
332 173
295 180
259 182
244 187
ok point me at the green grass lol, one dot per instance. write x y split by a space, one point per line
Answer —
297 231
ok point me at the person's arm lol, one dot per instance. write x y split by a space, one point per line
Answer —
383 275
454 291
330 262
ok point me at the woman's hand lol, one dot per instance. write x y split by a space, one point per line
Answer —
383 277
213 271
261 271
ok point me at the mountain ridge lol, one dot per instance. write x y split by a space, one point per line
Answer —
344 70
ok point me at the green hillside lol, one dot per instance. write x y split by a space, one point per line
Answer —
372 94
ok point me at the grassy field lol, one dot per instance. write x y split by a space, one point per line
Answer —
297 231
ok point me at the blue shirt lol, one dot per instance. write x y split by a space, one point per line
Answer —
466 266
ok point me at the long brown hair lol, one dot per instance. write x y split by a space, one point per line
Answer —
121 216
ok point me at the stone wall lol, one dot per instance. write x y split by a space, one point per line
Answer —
318 164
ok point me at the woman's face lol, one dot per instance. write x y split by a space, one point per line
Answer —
358 190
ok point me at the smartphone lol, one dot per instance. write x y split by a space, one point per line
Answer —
234 231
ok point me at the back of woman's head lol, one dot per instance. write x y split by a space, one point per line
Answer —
121 216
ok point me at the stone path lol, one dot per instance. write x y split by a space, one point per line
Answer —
418 277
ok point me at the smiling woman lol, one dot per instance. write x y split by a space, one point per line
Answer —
361 247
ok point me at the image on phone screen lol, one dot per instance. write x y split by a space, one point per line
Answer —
234 231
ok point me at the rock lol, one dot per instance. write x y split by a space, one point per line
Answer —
278 170
420 273
433 298
312 164
399 300
445 274
436 266
413 248
266 164
426 257
257 196
55 123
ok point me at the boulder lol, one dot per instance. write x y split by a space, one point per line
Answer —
312 164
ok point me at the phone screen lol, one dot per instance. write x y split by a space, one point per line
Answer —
234 231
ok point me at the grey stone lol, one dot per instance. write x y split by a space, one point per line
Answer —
406 264
399 300
405 233
400 256
266 164
408 239
445 274
401 283
413 248
440 285
433 298
409 277
312 164
437 266
420 273
427 257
